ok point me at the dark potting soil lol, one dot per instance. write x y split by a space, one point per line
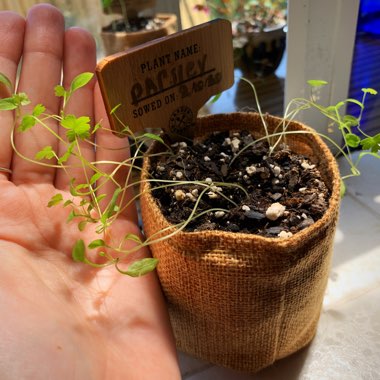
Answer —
135 25
285 190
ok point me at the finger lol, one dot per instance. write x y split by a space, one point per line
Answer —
79 56
111 148
12 27
41 71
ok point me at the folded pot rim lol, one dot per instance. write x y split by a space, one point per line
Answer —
244 240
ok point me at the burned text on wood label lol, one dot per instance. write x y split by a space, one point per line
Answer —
154 82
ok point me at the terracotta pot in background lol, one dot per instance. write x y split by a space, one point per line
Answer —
114 42
264 50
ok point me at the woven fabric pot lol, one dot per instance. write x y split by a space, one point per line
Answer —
240 300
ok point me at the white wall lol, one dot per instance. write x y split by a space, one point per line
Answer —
320 41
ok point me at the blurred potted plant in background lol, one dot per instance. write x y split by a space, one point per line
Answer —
258 28
134 24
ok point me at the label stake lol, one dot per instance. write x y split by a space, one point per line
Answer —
164 83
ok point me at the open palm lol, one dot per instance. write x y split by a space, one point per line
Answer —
60 319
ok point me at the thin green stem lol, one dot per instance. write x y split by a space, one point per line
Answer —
258 108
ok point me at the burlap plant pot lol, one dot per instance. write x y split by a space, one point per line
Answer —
240 300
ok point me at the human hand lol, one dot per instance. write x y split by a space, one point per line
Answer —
60 319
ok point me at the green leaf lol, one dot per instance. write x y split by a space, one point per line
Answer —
7 104
71 216
367 143
5 81
360 104
66 155
330 109
83 202
55 199
82 186
97 243
67 203
216 98
110 210
21 99
59 91
77 127
316 82
46 153
27 122
141 267
13 102
82 225
352 140
78 253
350 120
114 109
152 136
38 110
100 197
95 177
80 81
133 237
73 191
340 104
96 127
371 143
126 131
369 91
342 188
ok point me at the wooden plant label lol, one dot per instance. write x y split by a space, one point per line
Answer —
164 83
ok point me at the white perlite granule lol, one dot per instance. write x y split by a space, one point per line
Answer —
275 211
219 214
212 195
276 171
216 188
285 234
191 197
235 144
305 165
179 195
251 169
